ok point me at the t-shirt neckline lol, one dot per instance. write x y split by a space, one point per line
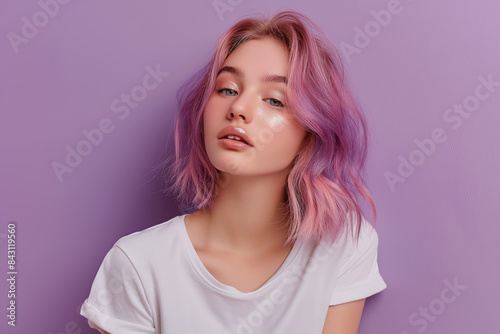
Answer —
224 288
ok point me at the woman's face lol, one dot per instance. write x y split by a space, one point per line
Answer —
250 95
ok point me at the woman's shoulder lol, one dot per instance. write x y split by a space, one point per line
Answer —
159 235
348 241
357 249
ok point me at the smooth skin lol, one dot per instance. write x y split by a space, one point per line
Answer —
344 318
233 238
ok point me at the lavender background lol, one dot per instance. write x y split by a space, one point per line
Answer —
438 226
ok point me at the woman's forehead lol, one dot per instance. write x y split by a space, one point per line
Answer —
258 56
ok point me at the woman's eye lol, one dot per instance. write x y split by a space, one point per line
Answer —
227 92
275 102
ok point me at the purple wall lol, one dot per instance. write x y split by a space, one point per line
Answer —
428 77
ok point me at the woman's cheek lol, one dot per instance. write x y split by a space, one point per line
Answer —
274 120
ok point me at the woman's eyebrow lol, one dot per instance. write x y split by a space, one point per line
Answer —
232 70
269 78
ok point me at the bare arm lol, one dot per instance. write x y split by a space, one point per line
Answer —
344 318
92 325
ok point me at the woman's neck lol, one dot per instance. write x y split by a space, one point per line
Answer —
248 213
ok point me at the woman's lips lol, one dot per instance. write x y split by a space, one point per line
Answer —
234 144
235 131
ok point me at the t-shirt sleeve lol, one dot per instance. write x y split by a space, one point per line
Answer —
359 275
117 302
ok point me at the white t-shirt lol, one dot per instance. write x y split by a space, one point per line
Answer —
153 281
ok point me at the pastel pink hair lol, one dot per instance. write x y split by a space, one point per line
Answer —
322 186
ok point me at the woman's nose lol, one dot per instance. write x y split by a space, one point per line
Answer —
243 107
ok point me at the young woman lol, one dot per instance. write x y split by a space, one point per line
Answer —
270 145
